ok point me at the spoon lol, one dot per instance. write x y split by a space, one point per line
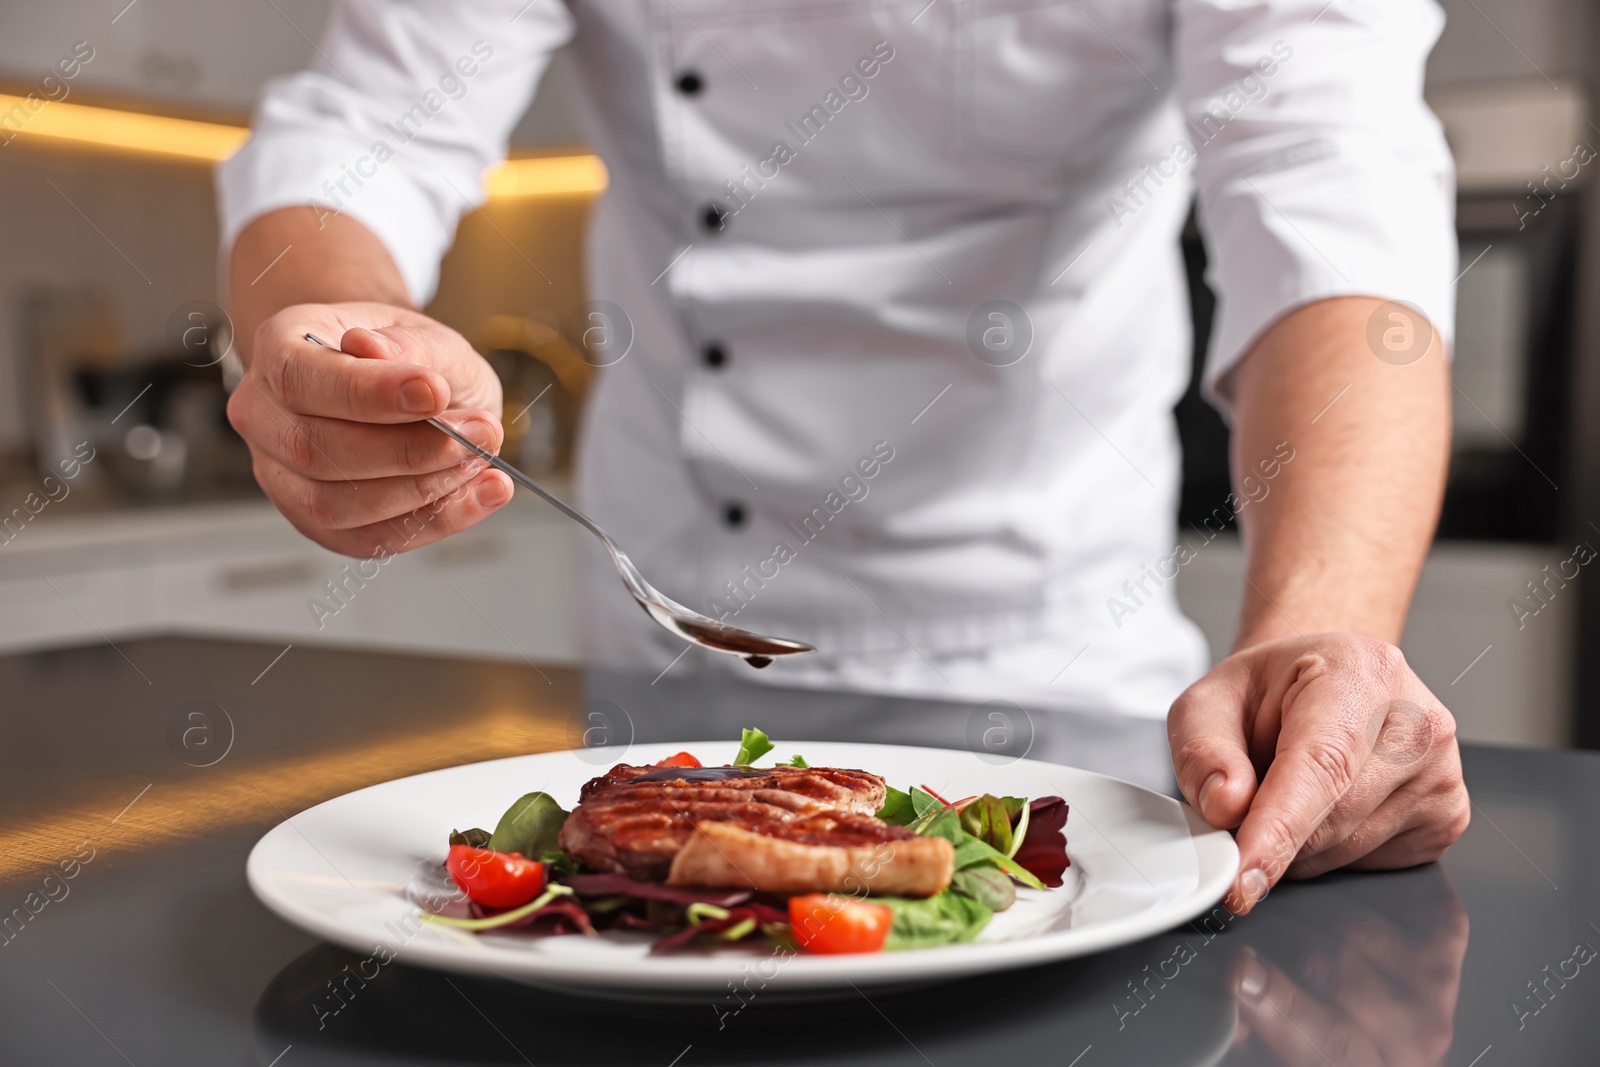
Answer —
691 626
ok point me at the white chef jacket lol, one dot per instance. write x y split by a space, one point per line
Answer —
936 241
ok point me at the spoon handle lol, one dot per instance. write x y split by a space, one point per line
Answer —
517 476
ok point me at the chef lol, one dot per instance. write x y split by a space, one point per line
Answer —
892 312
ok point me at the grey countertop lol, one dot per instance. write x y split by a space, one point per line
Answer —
135 779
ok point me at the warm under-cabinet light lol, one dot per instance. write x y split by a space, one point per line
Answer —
128 131
212 142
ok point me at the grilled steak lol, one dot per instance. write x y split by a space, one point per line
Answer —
786 830
854 790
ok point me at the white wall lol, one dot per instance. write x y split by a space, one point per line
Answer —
1510 40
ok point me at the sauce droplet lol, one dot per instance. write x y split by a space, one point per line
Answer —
758 661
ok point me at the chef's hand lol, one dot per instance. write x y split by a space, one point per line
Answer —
336 433
1325 752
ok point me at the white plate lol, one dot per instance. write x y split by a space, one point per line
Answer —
1141 863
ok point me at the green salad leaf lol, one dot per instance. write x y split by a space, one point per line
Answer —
529 826
1019 832
897 809
989 819
505 918
752 746
988 885
558 862
925 803
754 743
972 851
473 838
947 919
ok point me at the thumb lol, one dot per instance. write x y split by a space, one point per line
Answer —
363 343
1206 729
424 345
471 382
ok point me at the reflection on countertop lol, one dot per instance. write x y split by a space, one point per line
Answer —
161 944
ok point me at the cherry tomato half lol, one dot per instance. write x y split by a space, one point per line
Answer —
682 759
495 879
829 924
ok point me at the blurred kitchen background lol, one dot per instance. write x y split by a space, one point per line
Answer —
110 333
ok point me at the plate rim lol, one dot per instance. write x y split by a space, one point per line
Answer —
1217 860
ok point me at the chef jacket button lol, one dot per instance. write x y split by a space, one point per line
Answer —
690 83
733 514
714 217
714 354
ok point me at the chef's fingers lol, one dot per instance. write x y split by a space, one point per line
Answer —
1210 755
414 340
1420 844
1425 810
1299 1029
1377 806
1358 828
467 506
342 505
312 379
423 343
328 449
1324 744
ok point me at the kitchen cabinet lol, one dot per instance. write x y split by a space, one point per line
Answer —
190 55
507 589
214 56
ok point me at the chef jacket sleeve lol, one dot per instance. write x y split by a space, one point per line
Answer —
1320 170
404 107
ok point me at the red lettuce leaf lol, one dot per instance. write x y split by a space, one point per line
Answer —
1044 846
682 939
766 913
598 885
563 915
